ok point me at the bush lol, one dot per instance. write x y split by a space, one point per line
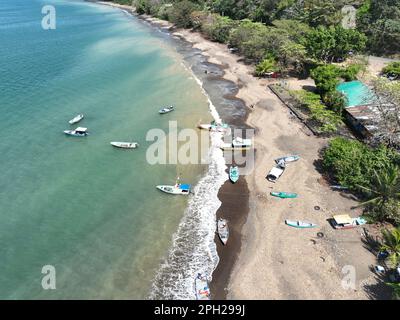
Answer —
392 70
218 28
269 64
352 163
350 72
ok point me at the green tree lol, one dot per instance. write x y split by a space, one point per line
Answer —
181 13
396 289
385 188
391 244
333 43
326 78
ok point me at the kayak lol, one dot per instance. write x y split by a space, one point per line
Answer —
284 195
300 224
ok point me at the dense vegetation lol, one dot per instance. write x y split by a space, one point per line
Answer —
372 172
318 22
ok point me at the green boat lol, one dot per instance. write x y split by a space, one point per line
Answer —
284 195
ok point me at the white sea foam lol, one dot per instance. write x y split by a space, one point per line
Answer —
193 248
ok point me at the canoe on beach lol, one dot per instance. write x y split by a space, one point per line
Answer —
234 174
300 224
214 127
124 145
223 230
201 287
237 144
283 195
290 158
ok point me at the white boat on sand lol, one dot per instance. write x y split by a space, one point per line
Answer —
78 118
237 144
125 145
223 230
290 158
214 127
201 287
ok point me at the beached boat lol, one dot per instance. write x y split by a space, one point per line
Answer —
78 118
124 145
276 172
234 173
300 224
178 188
201 287
343 221
285 159
283 195
215 127
237 144
78 132
166 110
223 230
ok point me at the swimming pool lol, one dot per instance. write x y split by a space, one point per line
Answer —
356 92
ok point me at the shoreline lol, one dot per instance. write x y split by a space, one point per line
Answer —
266 259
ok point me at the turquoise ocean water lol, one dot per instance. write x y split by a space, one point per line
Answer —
78 204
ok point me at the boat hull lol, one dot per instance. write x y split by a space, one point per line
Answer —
234 174
125 145
300 224
291 158
223 230
76 119
201 288
74 134
284 195
172 190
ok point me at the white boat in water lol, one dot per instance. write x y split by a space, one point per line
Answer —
78 132
178 188
201 287
78 118
215 127
237 144
166 110
223 230
125 145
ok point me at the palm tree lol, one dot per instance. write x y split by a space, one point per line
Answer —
391 244
396 289
385 187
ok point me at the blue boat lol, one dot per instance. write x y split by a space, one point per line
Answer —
234 173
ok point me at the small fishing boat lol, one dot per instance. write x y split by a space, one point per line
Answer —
215 127
234 173
223 230
201 287
285 159
276 172
283 195
166 110
300 224
78 118
125 145
78 132
237 144
178 188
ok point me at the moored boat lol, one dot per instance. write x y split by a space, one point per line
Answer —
223 230
166 109
124 145
290 158
237 144
178 188
283 195
234 173
300 224
78 132
78 118
215 127
201 287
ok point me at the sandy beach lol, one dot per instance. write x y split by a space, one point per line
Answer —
264 258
